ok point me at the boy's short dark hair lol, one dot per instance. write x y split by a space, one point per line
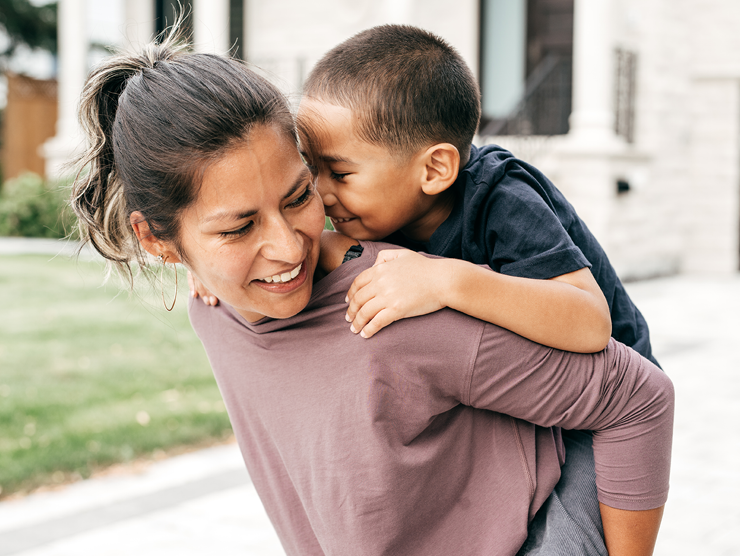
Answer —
409 88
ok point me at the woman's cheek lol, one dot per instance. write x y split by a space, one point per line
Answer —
319 219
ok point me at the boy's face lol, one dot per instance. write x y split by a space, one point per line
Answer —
367 192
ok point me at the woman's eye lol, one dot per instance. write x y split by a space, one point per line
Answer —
238 233
307 194
338 177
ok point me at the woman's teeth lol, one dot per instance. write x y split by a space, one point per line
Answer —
284 277
341 220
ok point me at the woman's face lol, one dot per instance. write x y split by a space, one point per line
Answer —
252 236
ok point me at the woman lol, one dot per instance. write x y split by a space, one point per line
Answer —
435 438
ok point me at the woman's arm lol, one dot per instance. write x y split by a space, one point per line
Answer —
626 400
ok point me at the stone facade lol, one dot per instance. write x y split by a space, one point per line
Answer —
681 213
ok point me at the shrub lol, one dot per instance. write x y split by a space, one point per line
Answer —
31 207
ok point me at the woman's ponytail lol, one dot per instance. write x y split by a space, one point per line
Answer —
153 122
98 198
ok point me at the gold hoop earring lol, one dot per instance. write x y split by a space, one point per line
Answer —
163 260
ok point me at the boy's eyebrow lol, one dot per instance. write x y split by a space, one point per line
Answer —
225 215
335 159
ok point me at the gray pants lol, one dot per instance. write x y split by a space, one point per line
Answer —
569 522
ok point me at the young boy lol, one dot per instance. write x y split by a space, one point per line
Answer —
386 122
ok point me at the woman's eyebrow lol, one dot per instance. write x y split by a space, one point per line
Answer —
235 215
300 180
224 215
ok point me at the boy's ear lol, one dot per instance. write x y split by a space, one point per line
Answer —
149 242
442 163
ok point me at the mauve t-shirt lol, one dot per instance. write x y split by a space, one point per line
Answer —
431 438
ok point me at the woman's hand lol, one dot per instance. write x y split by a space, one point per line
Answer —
198 289
399 285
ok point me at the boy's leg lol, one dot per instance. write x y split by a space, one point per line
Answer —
569 523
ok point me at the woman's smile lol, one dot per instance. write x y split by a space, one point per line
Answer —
284 282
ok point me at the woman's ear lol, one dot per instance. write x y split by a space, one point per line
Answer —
149 242
442 163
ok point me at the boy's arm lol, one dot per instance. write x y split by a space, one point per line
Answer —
568 312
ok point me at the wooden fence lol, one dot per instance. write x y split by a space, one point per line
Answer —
30 119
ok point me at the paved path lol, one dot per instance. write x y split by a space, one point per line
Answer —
695 325
203 503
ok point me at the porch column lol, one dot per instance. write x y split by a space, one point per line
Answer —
592 117
587 156
211 26
72 46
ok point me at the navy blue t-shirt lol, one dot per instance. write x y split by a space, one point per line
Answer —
508 215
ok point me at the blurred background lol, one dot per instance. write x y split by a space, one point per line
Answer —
631 107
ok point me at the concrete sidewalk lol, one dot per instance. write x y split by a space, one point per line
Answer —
51 247
189 505
203 503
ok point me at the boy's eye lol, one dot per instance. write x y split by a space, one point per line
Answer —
305 197
338 176
238 233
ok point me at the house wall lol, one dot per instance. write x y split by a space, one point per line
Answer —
682 210
713 231
287 38
648 224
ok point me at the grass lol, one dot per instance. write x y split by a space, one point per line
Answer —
90 376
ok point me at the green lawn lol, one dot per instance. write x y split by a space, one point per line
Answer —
91 376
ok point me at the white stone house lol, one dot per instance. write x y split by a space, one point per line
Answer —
631 107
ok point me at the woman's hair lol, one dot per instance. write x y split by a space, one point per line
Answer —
153 122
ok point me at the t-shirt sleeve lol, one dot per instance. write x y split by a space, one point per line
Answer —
523 235
625 399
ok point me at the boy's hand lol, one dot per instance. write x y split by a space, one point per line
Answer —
399 285
198 289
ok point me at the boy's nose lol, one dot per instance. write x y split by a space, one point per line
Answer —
326 192
329 199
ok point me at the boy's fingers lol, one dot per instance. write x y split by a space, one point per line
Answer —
198 290
380 321
191 285
388 255
360 281
365 314
358 301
